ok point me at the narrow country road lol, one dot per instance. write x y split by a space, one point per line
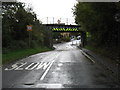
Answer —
65 67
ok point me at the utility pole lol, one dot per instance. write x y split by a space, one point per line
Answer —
47 20
29 29
67 21
60 19
53 20
29 39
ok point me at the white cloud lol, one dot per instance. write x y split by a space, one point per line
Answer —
52 8
98 0
8 0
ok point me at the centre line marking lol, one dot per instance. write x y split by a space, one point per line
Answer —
45 73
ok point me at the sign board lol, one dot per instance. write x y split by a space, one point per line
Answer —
29 27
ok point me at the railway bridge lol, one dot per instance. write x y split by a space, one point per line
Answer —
68 29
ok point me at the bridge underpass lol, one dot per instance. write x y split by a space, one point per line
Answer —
69 29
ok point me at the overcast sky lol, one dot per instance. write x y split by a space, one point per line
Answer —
53 8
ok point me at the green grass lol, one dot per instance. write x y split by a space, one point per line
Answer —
112 53
91 48
97 50
19 54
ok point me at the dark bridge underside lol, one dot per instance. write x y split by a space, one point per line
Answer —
67 28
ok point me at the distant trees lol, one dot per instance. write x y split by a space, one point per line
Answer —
101 20
14 22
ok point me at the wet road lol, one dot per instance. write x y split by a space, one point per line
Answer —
65 67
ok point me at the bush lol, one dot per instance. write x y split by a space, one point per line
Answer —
66 39
34 44
5 50
15 45
22 44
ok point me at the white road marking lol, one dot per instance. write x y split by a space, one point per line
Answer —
60 64
43 65
31 68
45 59
49 86
58 68
19 68
32 65
13 67
45 73
88 56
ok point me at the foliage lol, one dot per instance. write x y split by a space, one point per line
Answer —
19 54
99 19
66 39
15 19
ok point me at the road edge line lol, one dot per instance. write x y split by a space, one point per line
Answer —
87 56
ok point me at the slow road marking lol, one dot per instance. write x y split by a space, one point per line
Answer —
30 66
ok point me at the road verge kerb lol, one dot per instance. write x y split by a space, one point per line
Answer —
87 56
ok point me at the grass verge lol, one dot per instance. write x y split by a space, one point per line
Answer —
112 53
19 54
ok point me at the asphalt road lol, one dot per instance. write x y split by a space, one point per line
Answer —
65 67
